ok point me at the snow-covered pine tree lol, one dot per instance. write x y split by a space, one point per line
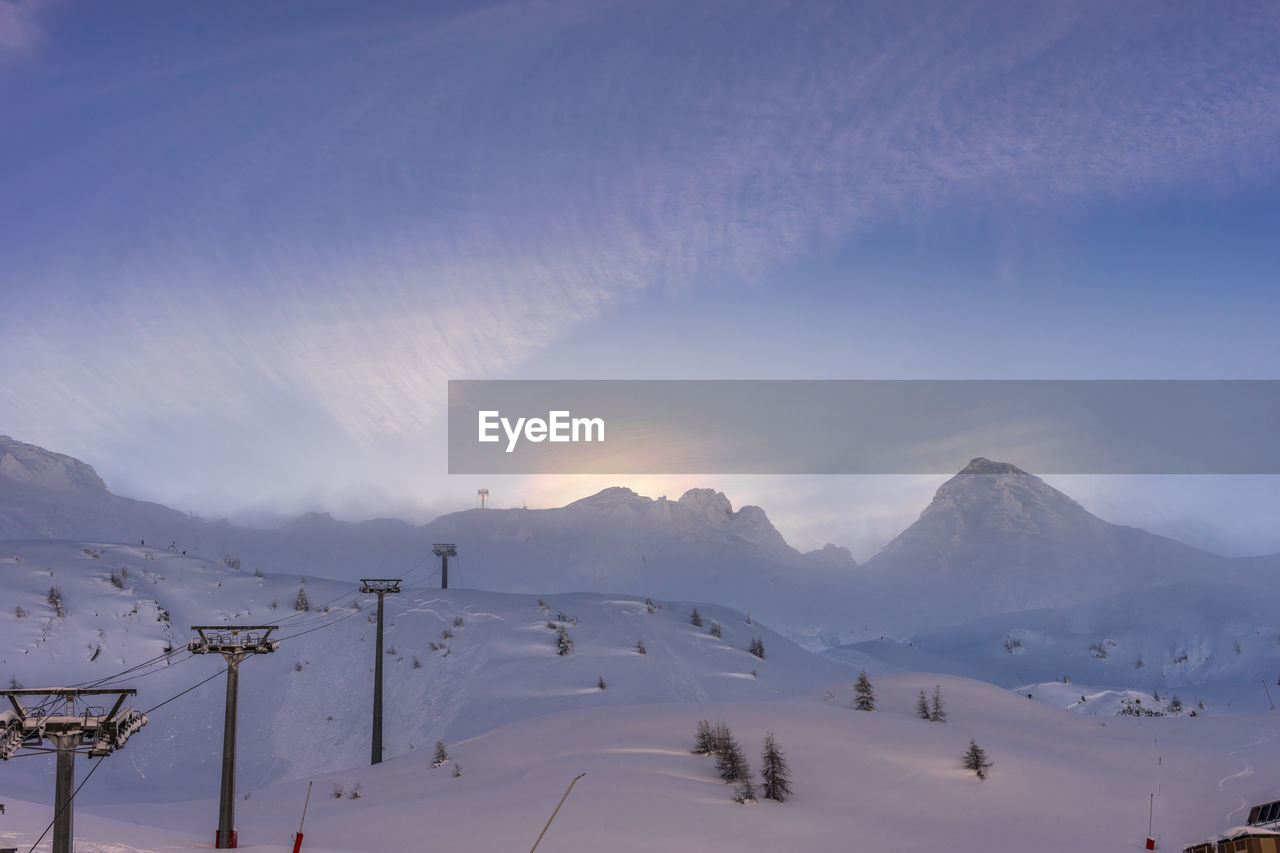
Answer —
756 647
716 630
975 759
54 598
301 602
935 706
864 696
600 685
695 618
640 647
704 742
745 791
564 645
922 706
775 771
720 735
731 761
442 755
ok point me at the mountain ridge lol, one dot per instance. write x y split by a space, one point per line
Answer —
994 539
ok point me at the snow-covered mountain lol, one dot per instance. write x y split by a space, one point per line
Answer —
1002 578
459 662
997 549
697 547
996 539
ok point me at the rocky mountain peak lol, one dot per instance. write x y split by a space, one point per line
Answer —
29 464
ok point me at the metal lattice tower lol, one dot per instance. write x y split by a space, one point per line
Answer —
379 587
234 643
483 495
89 732
444 552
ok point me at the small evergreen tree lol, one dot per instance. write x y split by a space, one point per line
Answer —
704 742
54 598
731 761
864 696
756 647
695 618
745 790
302 603
640 647
775 771
720 736
716 630
600 685
935 707
922 706
564 645
441 756
975 759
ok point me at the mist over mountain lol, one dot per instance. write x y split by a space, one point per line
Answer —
994 540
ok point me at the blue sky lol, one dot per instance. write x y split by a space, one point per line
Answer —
245 245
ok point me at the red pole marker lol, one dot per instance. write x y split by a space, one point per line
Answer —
297 839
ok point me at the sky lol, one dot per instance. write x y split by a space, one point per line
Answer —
244 246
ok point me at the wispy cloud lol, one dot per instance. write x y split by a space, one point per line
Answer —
21 25
296 243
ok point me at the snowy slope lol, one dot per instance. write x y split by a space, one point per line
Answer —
306 708
1213 641
1060 782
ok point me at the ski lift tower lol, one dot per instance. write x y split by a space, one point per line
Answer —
379 587
234 643
483 495
69 731
444 552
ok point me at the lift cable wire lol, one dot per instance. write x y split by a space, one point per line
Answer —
67 805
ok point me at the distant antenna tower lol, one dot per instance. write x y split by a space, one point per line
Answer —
483 495
444 552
